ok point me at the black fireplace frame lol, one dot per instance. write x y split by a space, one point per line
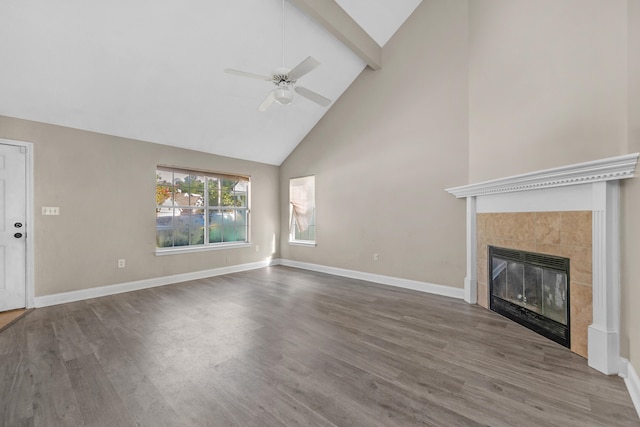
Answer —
544 326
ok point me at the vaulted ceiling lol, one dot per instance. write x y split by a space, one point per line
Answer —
153 70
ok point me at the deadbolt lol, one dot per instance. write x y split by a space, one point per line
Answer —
17 235
17 225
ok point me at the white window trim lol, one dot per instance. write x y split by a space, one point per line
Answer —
209 246
310 243
205 248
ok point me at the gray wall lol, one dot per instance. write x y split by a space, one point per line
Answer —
384 153
105 188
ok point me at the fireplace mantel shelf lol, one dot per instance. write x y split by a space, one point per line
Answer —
612 168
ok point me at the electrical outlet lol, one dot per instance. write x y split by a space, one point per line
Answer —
376 257
122 263
257 248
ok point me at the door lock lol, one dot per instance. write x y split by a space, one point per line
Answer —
17 225
17 235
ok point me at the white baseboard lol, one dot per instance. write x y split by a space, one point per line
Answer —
632 381
83 294
378 278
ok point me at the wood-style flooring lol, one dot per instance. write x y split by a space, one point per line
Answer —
286 347
7 318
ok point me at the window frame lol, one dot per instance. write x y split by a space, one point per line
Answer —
206 208
312 218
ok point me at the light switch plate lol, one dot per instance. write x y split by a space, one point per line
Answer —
50 210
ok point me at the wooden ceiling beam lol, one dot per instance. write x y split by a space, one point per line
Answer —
331 16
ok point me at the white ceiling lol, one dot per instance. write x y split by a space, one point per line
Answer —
153 69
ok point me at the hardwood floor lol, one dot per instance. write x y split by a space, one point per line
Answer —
281 346
7 318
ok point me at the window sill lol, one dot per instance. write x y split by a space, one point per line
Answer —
188 249
303 243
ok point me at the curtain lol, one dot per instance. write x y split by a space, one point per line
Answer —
302 198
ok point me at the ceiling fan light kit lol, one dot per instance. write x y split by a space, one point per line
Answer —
283 96
285 80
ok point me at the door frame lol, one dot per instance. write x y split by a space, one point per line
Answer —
30 252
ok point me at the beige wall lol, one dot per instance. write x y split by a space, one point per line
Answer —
385 152
631 204
104 187
547 84
553 83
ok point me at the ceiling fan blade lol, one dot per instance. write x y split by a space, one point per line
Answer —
311 95
268 101
303 68
245 74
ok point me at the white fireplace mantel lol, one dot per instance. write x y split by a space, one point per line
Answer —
590 186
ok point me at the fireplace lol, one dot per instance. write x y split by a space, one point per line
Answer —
532 290
539 198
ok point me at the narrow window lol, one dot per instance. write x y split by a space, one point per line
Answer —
195 208
302 201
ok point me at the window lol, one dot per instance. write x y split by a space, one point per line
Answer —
200 209
302 201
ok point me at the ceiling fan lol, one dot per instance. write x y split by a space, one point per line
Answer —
285 80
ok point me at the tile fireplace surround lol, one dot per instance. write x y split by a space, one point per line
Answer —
565 234
552 211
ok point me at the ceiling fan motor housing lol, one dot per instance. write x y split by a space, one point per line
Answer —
282 94
281 76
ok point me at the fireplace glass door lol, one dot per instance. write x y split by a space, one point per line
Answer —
541 290
531 289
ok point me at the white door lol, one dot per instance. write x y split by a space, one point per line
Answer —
13 213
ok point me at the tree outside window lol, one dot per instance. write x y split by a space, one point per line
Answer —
187 215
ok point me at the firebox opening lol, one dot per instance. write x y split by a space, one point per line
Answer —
531 289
